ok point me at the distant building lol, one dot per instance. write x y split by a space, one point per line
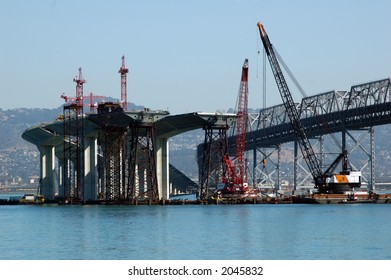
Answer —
33 179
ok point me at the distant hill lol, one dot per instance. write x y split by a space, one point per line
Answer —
14 122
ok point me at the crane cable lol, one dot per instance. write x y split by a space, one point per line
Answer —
299 87
286 68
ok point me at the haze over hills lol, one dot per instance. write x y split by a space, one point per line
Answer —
19 160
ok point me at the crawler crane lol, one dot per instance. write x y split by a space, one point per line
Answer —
235 179
326 182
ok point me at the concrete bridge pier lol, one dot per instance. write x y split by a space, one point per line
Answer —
90 168
48 175
162 167
60 157
47 143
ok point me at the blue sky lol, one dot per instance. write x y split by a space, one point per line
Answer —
186 56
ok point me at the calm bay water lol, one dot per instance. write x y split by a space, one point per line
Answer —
286 232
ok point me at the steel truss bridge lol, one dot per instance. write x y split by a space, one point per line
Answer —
346 117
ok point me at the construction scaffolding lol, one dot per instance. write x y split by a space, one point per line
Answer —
73 159
112 141
212 167
73 148
142 168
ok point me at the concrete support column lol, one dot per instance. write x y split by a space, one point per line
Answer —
60 175
90 168
162 167
47 181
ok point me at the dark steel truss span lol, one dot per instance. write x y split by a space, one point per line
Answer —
335 111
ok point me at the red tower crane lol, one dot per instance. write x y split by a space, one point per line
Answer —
236 180
79 88
123 71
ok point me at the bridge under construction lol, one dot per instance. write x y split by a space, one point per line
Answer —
116 155
123 156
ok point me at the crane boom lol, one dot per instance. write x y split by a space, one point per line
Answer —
293 114
242 123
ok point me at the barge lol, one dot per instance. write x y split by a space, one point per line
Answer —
344 198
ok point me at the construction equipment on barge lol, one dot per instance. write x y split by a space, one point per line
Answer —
325 182
234 184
